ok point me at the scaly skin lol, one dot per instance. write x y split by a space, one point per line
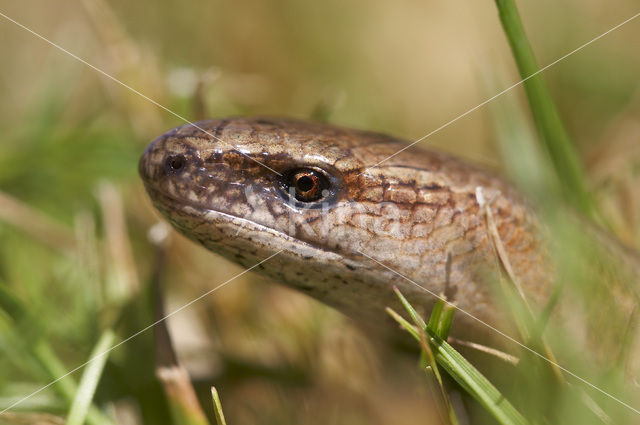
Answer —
409 213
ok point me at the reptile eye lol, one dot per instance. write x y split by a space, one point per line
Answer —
306 184
175 163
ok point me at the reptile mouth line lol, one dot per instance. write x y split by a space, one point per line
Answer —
158 197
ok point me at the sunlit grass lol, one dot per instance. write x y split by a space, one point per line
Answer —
552 133
432 338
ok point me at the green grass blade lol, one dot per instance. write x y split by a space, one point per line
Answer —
427 360
66 387
217 407
474 382
446 320
27 328
467 376
434 318
555 138
89 381
412 312
404 324
463 372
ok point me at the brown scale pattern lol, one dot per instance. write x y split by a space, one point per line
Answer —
410 212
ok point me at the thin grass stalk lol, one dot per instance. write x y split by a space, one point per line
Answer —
553 134
81 405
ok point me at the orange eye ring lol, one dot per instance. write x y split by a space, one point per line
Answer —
306 184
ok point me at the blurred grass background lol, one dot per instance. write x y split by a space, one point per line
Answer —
71 140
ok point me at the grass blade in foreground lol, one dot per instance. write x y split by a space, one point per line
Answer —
217 407
467 376
26 329
564 157
90 379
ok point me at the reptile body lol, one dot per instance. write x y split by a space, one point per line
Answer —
345 231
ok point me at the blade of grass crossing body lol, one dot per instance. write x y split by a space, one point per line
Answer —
467 376
412 311
555 138
404 324
474 382
436 313
446 320
433 369
427 360
90 379
435 322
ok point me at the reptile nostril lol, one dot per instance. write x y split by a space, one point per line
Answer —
175 163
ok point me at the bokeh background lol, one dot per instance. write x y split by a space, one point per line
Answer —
75 224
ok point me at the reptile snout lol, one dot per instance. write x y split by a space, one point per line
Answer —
165 158
148 165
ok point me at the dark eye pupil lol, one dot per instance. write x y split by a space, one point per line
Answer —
305 183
